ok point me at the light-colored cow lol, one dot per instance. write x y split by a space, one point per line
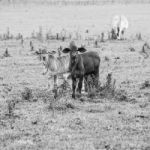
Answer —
56 66
119 26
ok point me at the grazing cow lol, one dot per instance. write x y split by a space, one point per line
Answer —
56 65
119 25
82 65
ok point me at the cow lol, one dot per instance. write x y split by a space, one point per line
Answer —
82 65
56 66
119 26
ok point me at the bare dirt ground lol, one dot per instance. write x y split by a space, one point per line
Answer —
89 124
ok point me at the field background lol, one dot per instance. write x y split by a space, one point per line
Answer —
74 2
25 19
82 124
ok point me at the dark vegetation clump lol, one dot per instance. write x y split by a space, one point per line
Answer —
108 90
121 95
62 90
106 58
61 99
146 84
132 49
6 53
90 85
27 94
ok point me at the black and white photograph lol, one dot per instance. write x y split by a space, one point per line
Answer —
74 74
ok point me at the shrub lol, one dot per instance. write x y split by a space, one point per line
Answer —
27 94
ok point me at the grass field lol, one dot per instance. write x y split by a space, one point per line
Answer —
26 19
89 124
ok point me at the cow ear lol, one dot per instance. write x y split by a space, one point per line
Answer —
82 49
66 50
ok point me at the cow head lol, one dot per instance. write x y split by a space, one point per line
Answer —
47 55
73 51
46 59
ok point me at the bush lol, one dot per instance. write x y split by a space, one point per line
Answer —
27 94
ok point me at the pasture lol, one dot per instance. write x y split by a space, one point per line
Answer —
38 121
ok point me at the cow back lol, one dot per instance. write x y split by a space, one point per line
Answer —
91 62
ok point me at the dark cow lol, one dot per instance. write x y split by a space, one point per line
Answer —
82 65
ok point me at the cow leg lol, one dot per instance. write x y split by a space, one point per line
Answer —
96 78
80 84
55 81
118 32
74 82
55 86
45 71
86 83
122 34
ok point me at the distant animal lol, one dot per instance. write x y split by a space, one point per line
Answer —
119 26
82 65
145 50
55 65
